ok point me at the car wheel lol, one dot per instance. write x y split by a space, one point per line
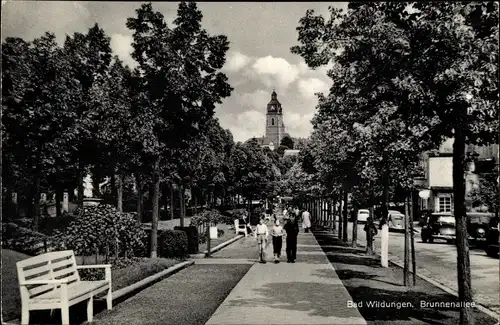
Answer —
491 251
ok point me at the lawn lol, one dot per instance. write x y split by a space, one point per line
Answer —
228 234
122 277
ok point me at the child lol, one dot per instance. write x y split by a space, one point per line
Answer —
277 232
261 233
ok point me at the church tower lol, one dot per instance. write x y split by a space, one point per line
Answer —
275 127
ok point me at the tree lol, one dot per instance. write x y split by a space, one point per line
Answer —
486 193
90 59
36 114
287 142
445 83
180 67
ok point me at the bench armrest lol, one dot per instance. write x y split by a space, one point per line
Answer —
98 266
32 282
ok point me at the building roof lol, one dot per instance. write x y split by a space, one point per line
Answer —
291 152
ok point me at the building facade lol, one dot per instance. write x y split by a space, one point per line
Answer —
275 126
435 187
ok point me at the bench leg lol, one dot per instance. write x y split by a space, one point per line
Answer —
90 309
109 299
25 315
65 314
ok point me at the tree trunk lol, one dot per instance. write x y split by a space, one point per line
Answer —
385 196
119 192
154 220
340 216
195 202
355 228
81 176
334 212
463 259
140 196
59 198
113 185
412 242
369 239
36 202
96 179
182 205
172 202
406 271
344 231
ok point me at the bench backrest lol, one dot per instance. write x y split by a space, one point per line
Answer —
48 266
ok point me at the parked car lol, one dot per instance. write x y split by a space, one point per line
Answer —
438 226
363 215
477 227
442 226
396 221
493 238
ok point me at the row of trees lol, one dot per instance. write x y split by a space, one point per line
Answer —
76 109
405 76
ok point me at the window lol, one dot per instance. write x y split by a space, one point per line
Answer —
444 204
272 121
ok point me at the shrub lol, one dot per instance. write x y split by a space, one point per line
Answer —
48 225
234 214
212 217
103 228
173 244
25 240
24 223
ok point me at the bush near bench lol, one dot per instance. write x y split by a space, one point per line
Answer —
171 243
27 241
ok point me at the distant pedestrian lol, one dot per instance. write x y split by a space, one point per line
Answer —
277 232
292 230
296 211
371 232
261 233
306 220
244 221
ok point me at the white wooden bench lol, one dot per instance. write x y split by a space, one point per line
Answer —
51 281
240 228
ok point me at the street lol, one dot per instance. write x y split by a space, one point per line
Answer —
438 261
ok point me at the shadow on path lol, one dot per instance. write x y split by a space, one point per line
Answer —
379 292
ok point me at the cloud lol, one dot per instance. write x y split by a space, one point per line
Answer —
245 125
276 70
308 87
122 46
298 125
236 61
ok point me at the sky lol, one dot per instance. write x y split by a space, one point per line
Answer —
259 58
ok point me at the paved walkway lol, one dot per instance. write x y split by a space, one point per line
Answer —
307 292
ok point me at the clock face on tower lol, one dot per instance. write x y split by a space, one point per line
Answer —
272 108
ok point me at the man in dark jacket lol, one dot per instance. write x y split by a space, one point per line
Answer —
292 230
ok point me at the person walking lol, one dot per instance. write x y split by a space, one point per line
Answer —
292 230
306 220
277 232
261 233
